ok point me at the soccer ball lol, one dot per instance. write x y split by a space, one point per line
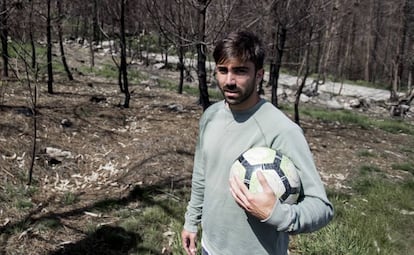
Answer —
278 169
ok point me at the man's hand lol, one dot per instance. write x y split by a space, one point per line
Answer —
260 204
189 241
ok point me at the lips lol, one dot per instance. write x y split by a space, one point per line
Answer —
231 93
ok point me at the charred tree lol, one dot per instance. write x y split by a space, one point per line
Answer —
276 61
60 35
49 50
306 66
31 36
4 31
123 66
201 54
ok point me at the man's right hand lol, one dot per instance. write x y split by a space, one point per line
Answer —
189 241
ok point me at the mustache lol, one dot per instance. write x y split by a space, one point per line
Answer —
230 87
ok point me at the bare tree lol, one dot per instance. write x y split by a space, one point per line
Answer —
32 88
4 31
60 36
286 16
279 37
308 25
201 6
170 20
399 57
31 35
123 67
49 48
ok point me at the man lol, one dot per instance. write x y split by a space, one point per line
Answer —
233 220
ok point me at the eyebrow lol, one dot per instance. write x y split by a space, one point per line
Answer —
234 67
243 68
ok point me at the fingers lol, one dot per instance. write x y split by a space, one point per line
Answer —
240 193
259 204
189 241
235 196
263 182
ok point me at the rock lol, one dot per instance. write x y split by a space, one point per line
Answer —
159 66
97 99
304 98
355 103
58 154
334 104
66 123
176 107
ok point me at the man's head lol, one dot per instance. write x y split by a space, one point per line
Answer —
244 46
239 69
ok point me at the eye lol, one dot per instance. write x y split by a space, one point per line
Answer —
241 71
222 70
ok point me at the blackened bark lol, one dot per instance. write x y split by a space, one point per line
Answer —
181 69
305 76
49 50
201 56
4 34
32 43
123 67
62 49
280 40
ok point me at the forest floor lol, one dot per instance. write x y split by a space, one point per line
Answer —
91 149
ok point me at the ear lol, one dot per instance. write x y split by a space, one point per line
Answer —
260 75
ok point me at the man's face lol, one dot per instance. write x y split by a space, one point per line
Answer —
238 82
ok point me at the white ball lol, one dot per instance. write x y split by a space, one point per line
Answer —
279 171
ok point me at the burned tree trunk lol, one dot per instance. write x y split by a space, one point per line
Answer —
123 66
276 62
4 34
62 50
201 55
49 50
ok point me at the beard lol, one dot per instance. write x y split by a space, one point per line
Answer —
235 95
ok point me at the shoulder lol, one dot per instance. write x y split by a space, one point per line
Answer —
271 116
212 111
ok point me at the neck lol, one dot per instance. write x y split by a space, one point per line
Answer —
252 101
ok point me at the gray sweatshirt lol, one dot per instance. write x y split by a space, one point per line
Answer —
228 229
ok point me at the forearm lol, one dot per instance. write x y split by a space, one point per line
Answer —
195 205
313 209
309 215
194 209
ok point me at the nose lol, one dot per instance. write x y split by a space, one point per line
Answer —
230 78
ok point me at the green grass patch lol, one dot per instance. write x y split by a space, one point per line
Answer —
159 223
19 196
348 117
365 153
375 219
408 167
48 223
214 93
69 198
369 169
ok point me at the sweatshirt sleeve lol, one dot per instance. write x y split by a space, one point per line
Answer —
313 210
195 205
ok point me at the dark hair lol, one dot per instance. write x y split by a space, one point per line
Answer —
242 45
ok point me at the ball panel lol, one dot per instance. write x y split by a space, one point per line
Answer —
259 155
255 186
291 172
274 182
